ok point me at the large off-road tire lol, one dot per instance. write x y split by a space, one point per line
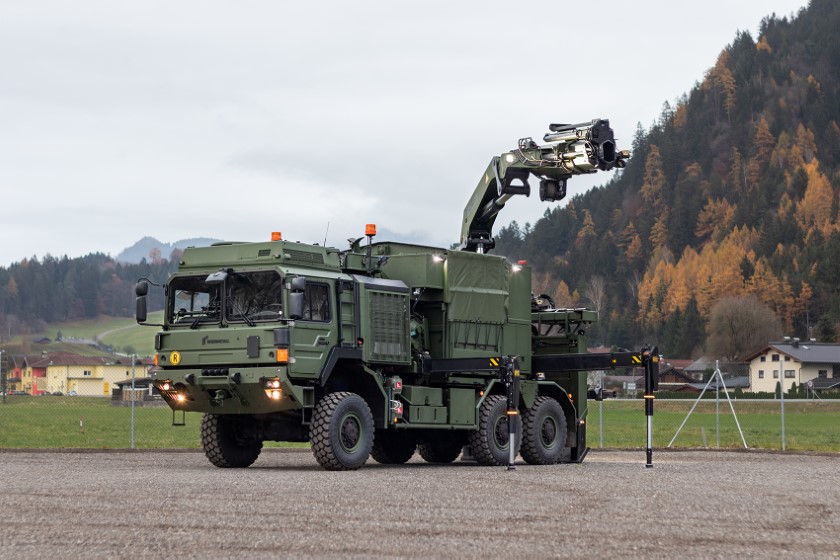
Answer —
544 431
341 432
490 443
393 447
442 447
228 441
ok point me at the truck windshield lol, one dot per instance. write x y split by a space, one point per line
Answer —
244 297
253 296
192 301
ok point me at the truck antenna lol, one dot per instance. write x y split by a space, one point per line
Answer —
326 233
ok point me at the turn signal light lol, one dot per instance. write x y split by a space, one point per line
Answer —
282 355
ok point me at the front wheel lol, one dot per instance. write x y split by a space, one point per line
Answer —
543 432
341 431
228 441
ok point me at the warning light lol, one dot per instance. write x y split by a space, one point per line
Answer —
370 229
522 263
276 236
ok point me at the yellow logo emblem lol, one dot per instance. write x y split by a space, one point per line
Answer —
175 358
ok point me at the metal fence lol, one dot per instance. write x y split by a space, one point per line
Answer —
134 419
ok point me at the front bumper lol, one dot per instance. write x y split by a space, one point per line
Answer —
249 390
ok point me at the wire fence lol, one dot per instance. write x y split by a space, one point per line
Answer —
78 422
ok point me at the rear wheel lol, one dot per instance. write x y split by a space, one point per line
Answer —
228 441
393 447
341 431
543 432
442 447
490 443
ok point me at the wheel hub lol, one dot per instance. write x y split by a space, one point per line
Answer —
548 432
351 432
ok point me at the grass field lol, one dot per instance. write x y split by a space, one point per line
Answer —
118 332
79 422
809 425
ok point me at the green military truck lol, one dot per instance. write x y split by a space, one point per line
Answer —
387 349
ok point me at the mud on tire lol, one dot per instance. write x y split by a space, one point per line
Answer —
226 441
341 432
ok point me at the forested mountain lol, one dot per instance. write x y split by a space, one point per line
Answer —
732 193
36 292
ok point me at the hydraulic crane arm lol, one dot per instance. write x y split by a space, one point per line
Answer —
571 149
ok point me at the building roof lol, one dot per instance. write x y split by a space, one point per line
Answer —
677 364
805 352
824 383
677 373
45 359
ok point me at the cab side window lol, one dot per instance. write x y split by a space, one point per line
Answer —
316 302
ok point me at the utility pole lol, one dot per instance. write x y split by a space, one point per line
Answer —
2 378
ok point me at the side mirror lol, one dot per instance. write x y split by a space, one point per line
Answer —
141 289
298 284
295 305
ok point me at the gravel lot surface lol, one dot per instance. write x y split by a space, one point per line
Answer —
698 504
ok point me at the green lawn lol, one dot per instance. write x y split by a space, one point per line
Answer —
92 422
812 426
118 332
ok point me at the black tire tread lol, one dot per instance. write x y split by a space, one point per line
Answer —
393 448
531 449
443 450
319 431
220 448
478 440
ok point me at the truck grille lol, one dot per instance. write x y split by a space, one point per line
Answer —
389 326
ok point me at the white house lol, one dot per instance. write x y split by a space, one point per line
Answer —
795 362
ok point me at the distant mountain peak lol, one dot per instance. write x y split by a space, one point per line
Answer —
143 248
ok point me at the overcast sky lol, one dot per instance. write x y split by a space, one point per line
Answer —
234 119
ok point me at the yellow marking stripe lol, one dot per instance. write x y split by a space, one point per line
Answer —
494 362
636 359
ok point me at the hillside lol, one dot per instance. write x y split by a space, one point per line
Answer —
732 192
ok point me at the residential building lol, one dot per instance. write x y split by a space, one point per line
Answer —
28 374
797 362
70 373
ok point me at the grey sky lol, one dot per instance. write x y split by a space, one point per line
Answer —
235 119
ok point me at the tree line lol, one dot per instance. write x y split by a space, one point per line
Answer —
36 292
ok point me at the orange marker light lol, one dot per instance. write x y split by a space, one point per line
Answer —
276 236
370 229
282 355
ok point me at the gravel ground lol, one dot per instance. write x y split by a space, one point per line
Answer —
699 504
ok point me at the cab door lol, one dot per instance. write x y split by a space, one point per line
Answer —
315 333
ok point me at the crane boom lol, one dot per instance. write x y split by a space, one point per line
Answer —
570 149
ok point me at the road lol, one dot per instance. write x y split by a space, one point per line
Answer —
696 504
